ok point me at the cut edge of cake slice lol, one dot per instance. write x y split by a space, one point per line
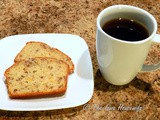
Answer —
37 77
44 51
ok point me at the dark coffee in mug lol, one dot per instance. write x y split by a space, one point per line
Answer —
125 29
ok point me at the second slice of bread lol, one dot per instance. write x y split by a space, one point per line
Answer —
38 49
37 77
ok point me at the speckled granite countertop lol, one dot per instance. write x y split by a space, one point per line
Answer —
79 18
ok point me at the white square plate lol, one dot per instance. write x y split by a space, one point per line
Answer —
80 83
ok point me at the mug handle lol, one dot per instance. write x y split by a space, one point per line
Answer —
147 68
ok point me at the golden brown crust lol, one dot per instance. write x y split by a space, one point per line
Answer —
55 92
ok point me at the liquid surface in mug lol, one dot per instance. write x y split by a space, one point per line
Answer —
125 29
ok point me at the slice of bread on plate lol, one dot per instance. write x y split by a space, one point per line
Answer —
38 49
37 77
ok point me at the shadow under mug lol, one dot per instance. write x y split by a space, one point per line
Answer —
120 61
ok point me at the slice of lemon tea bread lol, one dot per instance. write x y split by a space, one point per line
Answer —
37 77
38 49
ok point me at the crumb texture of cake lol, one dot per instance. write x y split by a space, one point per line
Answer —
37 77
34 49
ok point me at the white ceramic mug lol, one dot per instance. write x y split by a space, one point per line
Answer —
120 61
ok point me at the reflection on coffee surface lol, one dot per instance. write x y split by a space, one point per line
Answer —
125 29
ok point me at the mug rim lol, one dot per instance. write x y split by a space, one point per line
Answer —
128 7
